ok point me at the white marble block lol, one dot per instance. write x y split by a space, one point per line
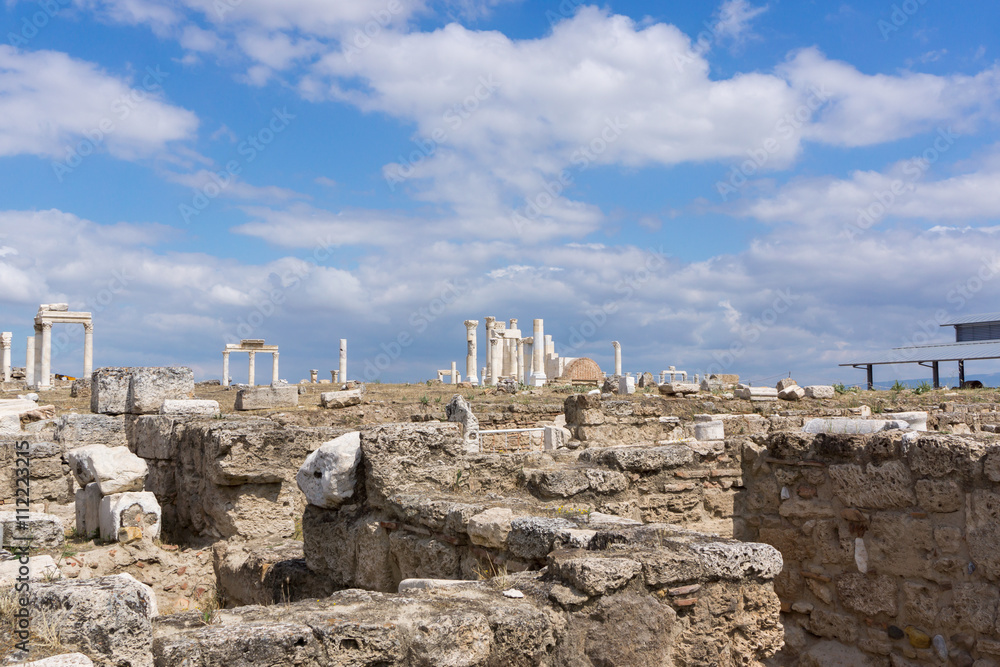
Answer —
329 474
133 509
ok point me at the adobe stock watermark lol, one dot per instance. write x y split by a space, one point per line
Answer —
585 155
121 109
913 169
751 332
249 149
30 26
900 16
452 119
784 130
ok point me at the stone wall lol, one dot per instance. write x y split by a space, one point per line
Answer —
891 544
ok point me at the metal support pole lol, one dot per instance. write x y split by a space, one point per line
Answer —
937 376
871 380
961 373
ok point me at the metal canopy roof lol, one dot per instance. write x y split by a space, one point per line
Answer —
927 353
972 319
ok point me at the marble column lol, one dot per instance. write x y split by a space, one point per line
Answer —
314 375
491 323
470 359
38 355
334 375
274 368
491 370
538 356
454 372
6 338
618 356
88 350
46 380
343 360
520 360
253 356
29 362
529 360
549 356
225 369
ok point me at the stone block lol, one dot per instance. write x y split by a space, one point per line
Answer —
275 396
63 660
852 426
679 388
341 399
130 510
626 385
555 437
710 430
149 387
820 391
40 568
88 510
86 613
532 538
109 391
868 594
939 495
592 575
329 474
885 486
982 529
38 529
189 408
16 406
153 437
793 393
458 410
115 469
756 393
917 421
640 459
785 383
423 558
490 527
10 425
75 430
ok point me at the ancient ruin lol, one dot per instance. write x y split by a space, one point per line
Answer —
251 346
38 361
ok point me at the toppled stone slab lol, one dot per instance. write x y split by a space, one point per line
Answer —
149 387
329 474
491 527
75 430
819 391
265 397
756 393
852 426
40 568
109 390
341 399
130 510
88 510
16 406
916 421
792 393
679 388
189 408
639 459
35 528
107 618
115 469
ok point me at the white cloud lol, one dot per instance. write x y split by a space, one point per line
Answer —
233 188
128 120
734 19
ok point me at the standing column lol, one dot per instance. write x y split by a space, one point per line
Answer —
519 374
88 349
343 360
45 380
29 362
274 368
618 356
529 361
470 358
550 354
454 372
491 369
538 355
6 338
225 368
250 380
491 323
38 355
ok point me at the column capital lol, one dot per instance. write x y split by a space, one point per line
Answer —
88 327
471 324
615 344
494 342
45 326
274 354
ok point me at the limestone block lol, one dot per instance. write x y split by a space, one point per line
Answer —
341 399
109 391
885 486
868 594
793 393
626 385
40 568
137 509
75 430
267 397
153 437
819 391
10 425
555 437
679 388
64 660
149 387
423 558
785 383
37 528
189 408
88 509
940 495
407 585
491 527
640 459
757 393
829 653
982 529
710 430
917 421
458 410
532 538
329 474
16 406
592 575
84 613
852 426
115 469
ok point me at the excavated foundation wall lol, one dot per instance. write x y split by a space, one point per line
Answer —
891 545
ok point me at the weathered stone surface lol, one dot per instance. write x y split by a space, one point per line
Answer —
149 387
829 653
265 397
153 436
423 558
710 430
793 393
458 410
38 529
189 408
592 575
329 474
868 594
40 568
341 399
819 391
939 495
265 572
74 430
916 420
640 459
88 510
532 538
851 426
885 486
490 528
115 469
135 509
757 393
64 660
107 618
679 388
109 391
982 528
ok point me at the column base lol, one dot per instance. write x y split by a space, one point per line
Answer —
538 380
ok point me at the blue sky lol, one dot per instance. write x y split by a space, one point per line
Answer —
741 187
